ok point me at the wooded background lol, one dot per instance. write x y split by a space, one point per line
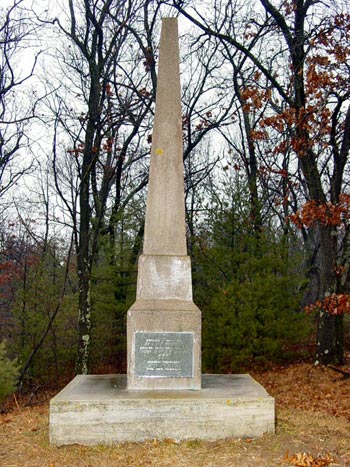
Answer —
266 131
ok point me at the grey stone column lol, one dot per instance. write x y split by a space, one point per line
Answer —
164 325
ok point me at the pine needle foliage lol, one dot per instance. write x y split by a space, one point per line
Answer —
248 285
8 373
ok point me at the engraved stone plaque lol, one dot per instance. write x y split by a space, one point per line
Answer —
164 354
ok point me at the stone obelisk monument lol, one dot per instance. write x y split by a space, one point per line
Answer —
164 324
161 396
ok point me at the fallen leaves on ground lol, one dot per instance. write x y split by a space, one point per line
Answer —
307 387
305 459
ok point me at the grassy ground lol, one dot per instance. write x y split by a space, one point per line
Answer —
312 430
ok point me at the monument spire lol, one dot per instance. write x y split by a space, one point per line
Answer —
165 231
164 325
164 270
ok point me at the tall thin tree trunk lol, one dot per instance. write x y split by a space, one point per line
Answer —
84 270
84 324
329 344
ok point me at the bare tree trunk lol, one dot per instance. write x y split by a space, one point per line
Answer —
330 339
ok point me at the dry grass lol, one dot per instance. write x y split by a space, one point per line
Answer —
312 417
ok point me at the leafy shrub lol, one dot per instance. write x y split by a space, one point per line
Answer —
8 373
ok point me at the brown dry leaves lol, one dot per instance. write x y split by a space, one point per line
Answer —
308 460
310 388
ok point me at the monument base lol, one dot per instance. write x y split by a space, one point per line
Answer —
98 409
173 359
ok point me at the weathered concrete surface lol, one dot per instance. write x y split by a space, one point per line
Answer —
98 409
164 277
165 228
164 282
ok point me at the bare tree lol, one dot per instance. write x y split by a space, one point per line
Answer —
17 29
97 151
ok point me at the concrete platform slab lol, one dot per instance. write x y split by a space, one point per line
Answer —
98 409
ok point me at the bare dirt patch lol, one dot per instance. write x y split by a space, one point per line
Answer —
312 430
